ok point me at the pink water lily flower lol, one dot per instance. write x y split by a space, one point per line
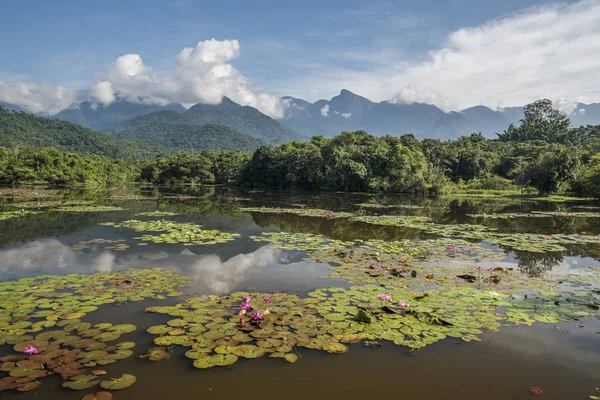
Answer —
256 316
479 268
245 306
491 269
246 299
242 321
30 350
548 238
267 299
402 304
448 248
381 297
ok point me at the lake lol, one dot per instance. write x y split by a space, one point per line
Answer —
181 262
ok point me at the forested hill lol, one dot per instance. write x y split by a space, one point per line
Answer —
19 128
191 138
244 119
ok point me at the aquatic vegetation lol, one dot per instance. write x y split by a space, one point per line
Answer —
117 245
176 232
299 241
537 214
329 318
157 214
52 203
302 211
123 382
519 241
98 396
90 208
40 318
15 214
381 206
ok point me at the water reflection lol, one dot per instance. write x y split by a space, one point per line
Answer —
211 274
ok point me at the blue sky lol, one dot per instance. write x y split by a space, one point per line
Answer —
308 49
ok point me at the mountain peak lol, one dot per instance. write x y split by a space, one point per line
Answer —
346 92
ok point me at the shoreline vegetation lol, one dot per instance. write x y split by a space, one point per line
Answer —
542 156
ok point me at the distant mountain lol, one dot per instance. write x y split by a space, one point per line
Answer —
349 111
12 107
586 114
100 117
488 121
191 138
245 119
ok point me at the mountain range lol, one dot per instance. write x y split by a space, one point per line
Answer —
349 111
302 119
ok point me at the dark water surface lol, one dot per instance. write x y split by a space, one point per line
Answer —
562 359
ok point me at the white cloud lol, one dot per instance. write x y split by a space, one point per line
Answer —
325 110
37 97
541 52
202 74
414 94
346 115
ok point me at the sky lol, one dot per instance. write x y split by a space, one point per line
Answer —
451 53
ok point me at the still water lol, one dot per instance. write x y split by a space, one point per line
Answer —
562 359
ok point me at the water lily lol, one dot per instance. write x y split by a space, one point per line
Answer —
479 268
536 390
30 350
245 307
256 316
242 321
379 264
371 266
267 299
246 299
548 238
402 304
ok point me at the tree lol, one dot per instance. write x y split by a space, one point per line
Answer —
540 122
554 169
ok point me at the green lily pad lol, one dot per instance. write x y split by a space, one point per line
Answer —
123 382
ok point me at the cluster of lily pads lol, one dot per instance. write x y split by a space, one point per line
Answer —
157 214
218 330
302 211
15 214
518 241
41 318
537 214
299 241
117 245
176 232
52 203
381 206
89 208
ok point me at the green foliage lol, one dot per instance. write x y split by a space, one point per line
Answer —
190 138
22 129
541 122
186 169
51 166
351 161
553 169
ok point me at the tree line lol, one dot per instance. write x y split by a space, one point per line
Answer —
542 152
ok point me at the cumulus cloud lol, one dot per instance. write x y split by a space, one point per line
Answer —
325 110
37 98
346 115
203 74
414 94
542 52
